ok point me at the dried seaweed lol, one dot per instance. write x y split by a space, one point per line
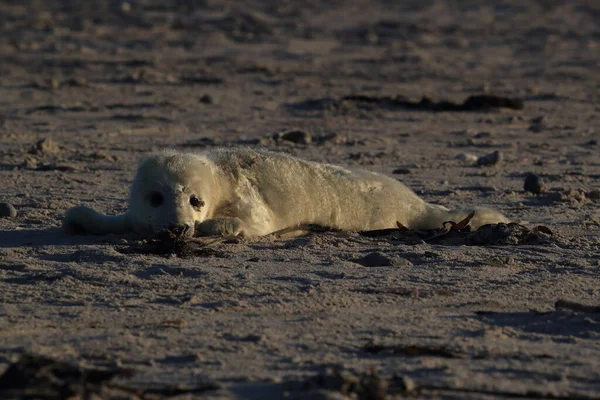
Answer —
168 245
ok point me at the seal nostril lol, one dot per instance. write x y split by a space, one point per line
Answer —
180 230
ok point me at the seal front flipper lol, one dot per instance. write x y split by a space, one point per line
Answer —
226 226
82 220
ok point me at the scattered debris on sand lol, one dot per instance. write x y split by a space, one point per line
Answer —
510 234
168 245
472 103
572 197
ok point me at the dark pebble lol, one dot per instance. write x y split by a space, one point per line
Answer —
377 259
7 210
206 99
295 136
490 159
538 120
534 184
594 195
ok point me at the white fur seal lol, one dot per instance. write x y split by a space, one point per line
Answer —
240 191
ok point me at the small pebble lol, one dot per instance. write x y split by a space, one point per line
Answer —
593 194
253 338
481 135
44 146
7 210
534 184
407 385
538 120
490 159
300 242
377 259
295 136
536 128
538 124
401 171
467 157
206 99
29 163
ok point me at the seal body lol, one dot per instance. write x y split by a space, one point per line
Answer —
240 191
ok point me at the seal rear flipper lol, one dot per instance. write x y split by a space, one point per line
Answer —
437 215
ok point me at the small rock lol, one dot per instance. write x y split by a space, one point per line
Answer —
295 136
538 124
534 184
377 259
538 120
537 128
593 194
300 242
253 338
574 195
481 135
406 384
29 163
467 157
7 210
48 84
206 99
401 171
333 138
374 387
44 146
77 81
490 159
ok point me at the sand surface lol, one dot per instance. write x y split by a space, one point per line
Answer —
105 82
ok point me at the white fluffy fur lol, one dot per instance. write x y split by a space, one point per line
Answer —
252 193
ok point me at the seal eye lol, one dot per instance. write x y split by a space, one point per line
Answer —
196 202
155 199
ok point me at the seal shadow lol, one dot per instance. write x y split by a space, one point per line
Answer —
46 237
